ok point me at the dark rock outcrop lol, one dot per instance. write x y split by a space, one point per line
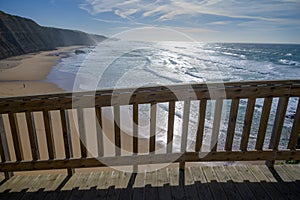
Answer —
21 35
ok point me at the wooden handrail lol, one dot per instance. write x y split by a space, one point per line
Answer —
12 159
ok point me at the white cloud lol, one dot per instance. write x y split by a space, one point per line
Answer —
219 23
108 21
162 10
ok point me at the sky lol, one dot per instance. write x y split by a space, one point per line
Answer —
256 21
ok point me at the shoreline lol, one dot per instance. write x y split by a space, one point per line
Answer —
27 74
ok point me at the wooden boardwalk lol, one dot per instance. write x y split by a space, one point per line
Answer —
205 182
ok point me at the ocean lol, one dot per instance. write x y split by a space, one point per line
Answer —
121 64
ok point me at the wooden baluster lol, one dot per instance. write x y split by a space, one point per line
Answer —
263 123
135 133
247 124
2 143
296 129
277 128
231 123
216 125
201 122
49 136
185 126
15 136
99 126
117 130
32 136
171 116
67 137
152 128
4 150
135 128
81 127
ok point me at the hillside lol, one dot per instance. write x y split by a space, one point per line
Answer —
21 35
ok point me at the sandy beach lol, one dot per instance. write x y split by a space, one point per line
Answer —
24 75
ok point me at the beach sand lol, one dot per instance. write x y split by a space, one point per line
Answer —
24 75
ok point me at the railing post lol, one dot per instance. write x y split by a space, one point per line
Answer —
277 128
65 121
4 147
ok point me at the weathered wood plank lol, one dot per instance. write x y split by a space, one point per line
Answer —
9 184
239 183
71 182
280 185
32 136
117 130
252 182
138 187
190 190
216 125
113 189
34 186
254 89
263 123
164 190
287 177
16 191
99 127
5 154
151 185
4 151
185 125
91 184
42 194
65 130
231 123
278 124
214 186
15 136
103 185
128 182
49 134
152 128
265 183
176 183
82 133
296 129
247 124
66 136
135 128
148 159
171 116
229 188
294 170
201 183
201 122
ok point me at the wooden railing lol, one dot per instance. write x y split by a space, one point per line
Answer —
39 112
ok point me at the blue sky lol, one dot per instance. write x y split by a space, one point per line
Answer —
263 21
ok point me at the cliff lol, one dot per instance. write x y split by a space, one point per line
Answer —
21 35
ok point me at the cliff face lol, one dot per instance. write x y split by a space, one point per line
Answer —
20 35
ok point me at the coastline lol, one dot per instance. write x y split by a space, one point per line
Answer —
26 74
